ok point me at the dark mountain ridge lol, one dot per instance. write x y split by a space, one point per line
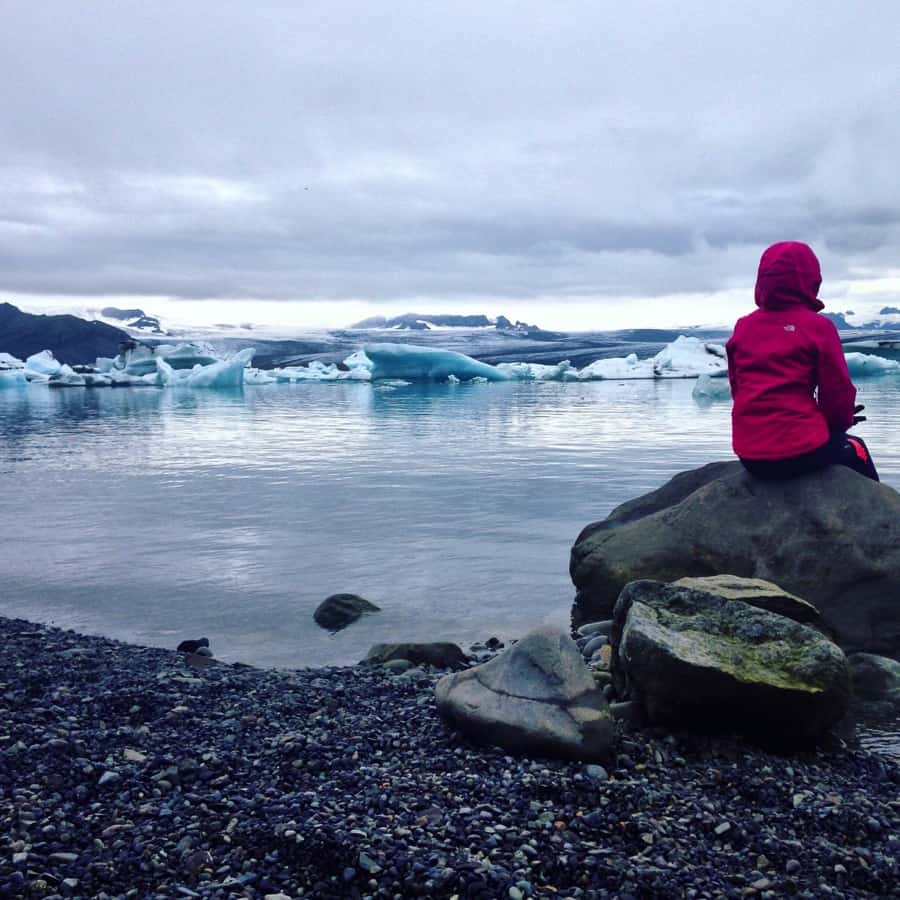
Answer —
71 340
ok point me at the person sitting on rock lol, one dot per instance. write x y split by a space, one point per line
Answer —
793 397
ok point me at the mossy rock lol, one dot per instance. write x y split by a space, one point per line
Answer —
703 662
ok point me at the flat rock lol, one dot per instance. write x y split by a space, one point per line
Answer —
340 610
832 538
699 661
757 592
537 697
440 654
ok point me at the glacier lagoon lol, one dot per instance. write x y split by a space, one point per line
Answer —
155 515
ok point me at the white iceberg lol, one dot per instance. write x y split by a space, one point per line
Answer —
258 376
40 366
222 374
319 371
618 368
425 364
863 364
8 361
685 357
689 357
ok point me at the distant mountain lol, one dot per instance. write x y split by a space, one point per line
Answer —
134 318
420 322
843 325
71 339
113 312
839 321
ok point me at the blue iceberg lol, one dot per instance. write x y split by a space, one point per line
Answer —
425 364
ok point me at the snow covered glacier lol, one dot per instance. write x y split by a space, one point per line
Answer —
197 366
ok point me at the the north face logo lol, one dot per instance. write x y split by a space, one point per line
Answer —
789 328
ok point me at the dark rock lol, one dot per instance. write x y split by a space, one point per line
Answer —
537 697
340 610
832 538
699 661
194 646
441 655
876 686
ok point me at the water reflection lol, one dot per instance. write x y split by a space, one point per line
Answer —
150 513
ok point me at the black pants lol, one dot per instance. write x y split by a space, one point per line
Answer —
841 449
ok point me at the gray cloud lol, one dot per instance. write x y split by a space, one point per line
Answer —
390 151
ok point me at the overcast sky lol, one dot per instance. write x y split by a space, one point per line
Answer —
590 163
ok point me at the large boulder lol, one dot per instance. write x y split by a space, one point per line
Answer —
537 697
696 660
340 610
831 538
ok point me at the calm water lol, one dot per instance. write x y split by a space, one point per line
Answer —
153 515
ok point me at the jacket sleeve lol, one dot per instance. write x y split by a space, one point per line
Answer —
836 394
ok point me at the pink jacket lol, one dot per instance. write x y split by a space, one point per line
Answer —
788 375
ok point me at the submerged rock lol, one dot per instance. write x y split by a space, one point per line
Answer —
440 654
537 697
340 610
700 661
832 538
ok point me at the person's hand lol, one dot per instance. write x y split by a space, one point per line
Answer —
856 417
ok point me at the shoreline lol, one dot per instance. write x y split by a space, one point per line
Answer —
126 772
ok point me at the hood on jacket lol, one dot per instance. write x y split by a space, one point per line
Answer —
788 275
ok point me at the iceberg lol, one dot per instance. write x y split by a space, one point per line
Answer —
689 357
66 377
196 365
8 361
685 357
141 358
710 388
319 371
40 366
412 363
221 374
863 364
12 378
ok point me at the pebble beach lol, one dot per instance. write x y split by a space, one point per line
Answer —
128 771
